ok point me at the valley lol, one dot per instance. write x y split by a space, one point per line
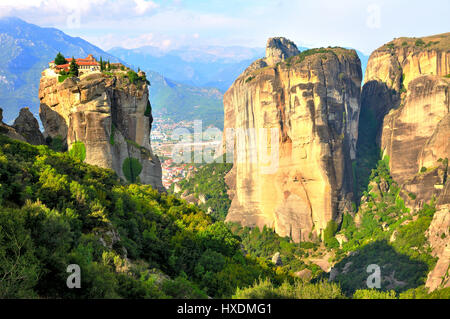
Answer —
336 173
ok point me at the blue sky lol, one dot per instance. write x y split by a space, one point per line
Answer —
170 24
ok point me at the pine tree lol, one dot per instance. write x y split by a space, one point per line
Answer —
60 59
102 68
73 69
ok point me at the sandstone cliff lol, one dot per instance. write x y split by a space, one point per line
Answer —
312 100
107 116
407 89
407 92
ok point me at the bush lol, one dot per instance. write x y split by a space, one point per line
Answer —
57 144
328 235
63 77
419 42
132 76
78 151
265 289
111 136
374 294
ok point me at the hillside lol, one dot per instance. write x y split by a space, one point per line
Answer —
183 102
129 240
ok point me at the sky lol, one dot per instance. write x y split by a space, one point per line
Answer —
172 24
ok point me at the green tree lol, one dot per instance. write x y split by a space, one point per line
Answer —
73 69
60 59
131 168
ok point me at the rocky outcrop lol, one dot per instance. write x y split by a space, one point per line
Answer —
27 126
311 100
8 130
107 116
279 49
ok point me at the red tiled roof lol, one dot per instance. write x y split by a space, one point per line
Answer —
90 60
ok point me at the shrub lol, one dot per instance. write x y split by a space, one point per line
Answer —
63 77
78 151
111 136
374 294
328 235
57 144
265 289
419 42
249 79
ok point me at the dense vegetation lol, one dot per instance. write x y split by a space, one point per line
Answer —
209 182
387 234
129 240
384 232
266 243
133 242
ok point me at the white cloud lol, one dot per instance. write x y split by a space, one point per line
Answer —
133 23
143 6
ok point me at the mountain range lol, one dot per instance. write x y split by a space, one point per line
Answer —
187 83
26 49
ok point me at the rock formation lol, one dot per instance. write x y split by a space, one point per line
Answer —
311 100
27 126
8 130
279 49
106 115
407 92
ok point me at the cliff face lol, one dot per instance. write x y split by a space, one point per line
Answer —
312 100
110 117
407 91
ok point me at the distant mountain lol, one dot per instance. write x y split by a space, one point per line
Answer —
210 66
26 49
184 89
179 102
